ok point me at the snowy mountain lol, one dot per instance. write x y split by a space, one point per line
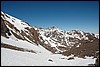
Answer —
97 36
59 41
45 46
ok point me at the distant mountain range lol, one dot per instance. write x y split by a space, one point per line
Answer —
75 42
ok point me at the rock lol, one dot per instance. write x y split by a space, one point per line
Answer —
50 60
97 62
70 58
91 64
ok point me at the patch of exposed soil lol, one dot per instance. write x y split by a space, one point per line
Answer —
16 48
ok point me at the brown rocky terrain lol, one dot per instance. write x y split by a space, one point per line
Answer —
4 29
16 48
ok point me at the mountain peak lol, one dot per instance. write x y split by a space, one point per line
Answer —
54 27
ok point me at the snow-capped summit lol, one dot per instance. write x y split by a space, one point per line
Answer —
53 27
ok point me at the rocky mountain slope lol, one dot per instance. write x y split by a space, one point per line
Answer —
75 42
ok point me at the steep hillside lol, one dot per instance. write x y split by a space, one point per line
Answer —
14 27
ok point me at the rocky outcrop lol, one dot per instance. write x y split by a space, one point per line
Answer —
97 60
4 29
50 60
16 48
70 58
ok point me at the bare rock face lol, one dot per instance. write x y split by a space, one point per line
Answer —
34 35
97 60
4 29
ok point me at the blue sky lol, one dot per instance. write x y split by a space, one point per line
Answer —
66 15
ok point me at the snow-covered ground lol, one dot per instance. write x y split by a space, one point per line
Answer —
40 58
17 58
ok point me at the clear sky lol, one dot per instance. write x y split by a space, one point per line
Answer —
66 15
